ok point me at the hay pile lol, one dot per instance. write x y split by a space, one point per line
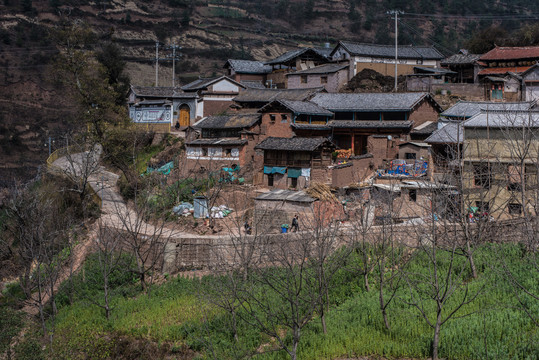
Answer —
321 192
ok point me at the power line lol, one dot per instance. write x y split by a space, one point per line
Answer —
533 16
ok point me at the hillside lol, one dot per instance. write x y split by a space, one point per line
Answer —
33 105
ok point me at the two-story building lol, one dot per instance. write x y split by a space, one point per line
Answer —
381 58
247 72
330 76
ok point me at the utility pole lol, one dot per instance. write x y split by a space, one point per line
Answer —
156 63
174 47
396 14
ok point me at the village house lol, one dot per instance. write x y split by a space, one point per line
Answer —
500 161
295 162
530 81
214 95
381 58
159 108
225 141
502 70
331 76
464 65
376 123
294 60
425 78
247 72
288 118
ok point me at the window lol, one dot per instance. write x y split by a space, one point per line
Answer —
514 179
412 195
228 152
270 179
284 118
304 79
514 209
482 207
272 118
323 80
204 152
419 61
482 176
410 156
294 182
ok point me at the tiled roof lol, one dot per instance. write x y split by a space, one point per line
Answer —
218 141
360 124
512 53
203 83
322 69
289 55
253 84
268 95
503 119
248 66
369 101
160 91
466 109
388 51
234 121
426 128
462 59
292 144
299 107
300 126
286 195
503 70
451 133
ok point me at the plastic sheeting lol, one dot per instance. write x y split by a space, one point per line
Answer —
274 170
294 173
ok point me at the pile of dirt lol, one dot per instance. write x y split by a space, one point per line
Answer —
368 80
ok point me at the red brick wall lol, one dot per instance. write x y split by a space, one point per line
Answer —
424 112
250 77
213 107
277 128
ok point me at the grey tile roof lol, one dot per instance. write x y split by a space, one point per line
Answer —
286 195
466 109
461 59
248 66
503 119
160 92
203 83
388 51
218 141
369 101
292 144
253 84
359 124
234 121
310 127
427 129
321 69
268 95
289 55
299 107
451 133
434 71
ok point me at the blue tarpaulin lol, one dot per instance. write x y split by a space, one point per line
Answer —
274 170
294 173
165 169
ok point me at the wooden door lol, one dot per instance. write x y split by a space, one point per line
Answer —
184 115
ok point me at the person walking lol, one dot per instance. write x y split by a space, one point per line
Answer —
295 223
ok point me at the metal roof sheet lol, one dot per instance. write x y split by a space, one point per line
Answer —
466 109
161 92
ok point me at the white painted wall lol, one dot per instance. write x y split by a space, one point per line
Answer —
225 86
